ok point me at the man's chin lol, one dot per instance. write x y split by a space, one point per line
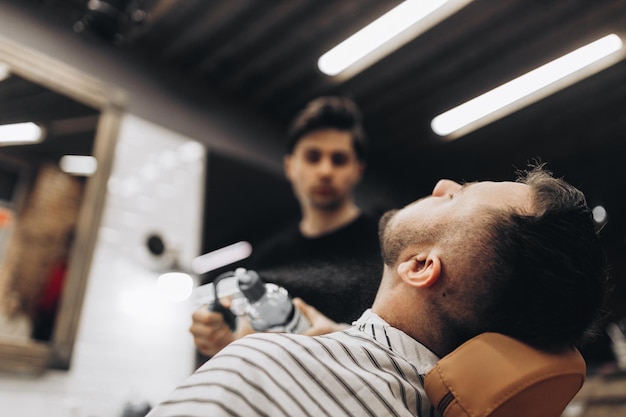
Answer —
327 204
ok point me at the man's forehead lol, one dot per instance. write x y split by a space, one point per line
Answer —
327 139
504 194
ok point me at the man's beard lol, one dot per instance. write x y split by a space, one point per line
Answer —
386 241
395 238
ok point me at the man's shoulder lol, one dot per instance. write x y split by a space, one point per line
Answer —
266 348
288 342
274 338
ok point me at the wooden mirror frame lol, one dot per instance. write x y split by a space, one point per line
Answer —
34 357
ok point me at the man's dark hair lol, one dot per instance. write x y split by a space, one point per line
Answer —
549 271
333 112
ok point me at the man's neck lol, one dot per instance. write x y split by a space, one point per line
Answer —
402 308
316 222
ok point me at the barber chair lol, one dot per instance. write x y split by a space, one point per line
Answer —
493 375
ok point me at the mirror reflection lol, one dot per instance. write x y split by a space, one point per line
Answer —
58 129
40 199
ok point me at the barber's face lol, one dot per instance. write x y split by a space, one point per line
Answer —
323 169
450 203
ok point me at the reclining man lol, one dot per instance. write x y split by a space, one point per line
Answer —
519 258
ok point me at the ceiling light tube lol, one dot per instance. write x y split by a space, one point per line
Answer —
386 34
20 133
529 88
83 165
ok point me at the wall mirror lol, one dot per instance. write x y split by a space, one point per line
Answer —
49 209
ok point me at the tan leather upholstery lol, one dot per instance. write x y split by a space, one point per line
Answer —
496 376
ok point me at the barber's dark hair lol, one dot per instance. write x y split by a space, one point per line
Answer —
332 112
549 274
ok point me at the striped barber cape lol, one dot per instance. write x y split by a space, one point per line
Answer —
371 369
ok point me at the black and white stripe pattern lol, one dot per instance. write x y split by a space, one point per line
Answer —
371 369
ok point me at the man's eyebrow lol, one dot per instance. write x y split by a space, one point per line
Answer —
465 185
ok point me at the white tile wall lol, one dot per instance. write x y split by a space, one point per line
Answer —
131 344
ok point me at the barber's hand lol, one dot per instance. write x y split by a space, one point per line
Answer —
320 324
211 333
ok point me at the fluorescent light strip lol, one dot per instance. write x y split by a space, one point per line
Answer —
529 88
221 257
78 165
385 35
20 133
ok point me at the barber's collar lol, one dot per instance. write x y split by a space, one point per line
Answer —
396 340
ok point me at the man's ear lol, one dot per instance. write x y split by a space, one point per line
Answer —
420 271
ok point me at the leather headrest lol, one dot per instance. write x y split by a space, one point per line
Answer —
493 375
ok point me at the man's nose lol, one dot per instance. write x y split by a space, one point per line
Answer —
325 166
445 187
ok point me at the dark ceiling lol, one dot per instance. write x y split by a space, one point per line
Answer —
262 55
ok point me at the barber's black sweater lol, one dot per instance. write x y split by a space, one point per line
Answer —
338 273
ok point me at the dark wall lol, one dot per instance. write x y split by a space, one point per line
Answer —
243 202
